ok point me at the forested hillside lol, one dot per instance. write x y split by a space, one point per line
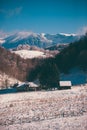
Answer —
75 55
14 65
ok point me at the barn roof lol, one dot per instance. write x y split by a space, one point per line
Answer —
32 84
65 83
21 85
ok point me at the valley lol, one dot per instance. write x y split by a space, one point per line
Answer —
43 65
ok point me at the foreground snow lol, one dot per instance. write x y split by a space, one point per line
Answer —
52 110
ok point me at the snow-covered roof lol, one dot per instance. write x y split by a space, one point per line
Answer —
65 83
21 85
33 84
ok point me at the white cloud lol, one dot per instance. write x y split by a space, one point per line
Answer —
83 30
11 12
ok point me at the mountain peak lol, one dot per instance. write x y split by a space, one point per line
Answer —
41 40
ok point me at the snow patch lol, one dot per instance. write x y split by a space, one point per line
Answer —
30 54
2 41
22 35
68 34
44 39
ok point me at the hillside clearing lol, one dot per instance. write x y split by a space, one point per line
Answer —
30 54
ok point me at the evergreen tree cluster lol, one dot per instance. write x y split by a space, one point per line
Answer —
75 55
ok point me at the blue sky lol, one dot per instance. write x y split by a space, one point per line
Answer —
48 16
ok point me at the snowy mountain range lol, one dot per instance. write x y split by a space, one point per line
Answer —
34 39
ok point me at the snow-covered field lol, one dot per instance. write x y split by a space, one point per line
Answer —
30 54
76 76
51 110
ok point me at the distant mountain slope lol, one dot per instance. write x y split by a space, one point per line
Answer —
32 39
62 38
40 40
58 47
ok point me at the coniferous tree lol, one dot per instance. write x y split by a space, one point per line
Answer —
49 76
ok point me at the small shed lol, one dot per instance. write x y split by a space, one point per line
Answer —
65 85
33 86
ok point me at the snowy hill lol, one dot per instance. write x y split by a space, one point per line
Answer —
30 54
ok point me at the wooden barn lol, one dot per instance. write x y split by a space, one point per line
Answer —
29 86
65 85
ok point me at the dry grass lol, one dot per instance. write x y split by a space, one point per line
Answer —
52 110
